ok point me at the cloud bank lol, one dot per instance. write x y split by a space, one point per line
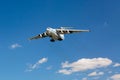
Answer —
96 74
84 64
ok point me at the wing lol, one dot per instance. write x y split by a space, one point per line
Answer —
69 31
39 36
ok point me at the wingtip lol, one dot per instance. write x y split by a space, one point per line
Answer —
89 30
29 39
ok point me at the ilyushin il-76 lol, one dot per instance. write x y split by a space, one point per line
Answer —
57 34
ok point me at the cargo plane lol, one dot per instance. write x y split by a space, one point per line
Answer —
57 34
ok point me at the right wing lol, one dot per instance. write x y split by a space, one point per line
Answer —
69 31
39 36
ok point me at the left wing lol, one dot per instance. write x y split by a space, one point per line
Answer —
39 36
69 31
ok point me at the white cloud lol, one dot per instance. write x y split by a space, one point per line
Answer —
96 74
37 64
84 64
101 73
65 71
84 79
115 77
16 45
92 74
49 68
116 65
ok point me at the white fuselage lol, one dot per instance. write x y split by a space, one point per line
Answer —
54 35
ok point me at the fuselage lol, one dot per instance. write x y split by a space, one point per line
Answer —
54 35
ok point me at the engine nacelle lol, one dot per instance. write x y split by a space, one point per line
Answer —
44 34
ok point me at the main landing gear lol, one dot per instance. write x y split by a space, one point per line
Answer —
52 40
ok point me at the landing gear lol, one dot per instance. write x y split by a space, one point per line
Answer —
60 39
52 40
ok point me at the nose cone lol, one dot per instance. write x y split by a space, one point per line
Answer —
62 36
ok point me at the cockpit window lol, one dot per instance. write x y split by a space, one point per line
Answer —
49 28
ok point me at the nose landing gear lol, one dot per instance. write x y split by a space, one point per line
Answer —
60 39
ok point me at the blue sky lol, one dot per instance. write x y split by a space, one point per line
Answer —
84 56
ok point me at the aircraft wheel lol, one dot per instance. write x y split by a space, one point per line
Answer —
52 40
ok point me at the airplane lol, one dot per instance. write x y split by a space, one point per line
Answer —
57 34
